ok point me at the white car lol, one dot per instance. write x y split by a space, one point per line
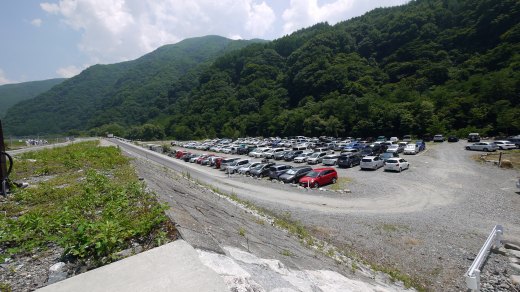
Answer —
482 146
393 148
505 145
411 149
371 162
396 164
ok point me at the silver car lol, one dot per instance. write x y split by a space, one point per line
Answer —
371 162
302 157
246 169
330 160
482 146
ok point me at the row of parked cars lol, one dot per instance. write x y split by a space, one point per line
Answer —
305 176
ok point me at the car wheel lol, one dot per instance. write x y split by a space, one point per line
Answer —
486 150
400 169
248 173
468 148
350 165
334 180
316 185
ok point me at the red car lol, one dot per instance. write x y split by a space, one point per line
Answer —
319 177
180 153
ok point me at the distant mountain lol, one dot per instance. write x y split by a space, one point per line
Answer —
10 94
125 93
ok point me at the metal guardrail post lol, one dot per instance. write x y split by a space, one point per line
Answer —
473 274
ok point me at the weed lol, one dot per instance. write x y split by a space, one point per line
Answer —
286 253
354 266
242 231
98 209
4 287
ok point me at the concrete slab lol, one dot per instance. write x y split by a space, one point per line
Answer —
172 267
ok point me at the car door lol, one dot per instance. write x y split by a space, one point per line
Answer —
378 162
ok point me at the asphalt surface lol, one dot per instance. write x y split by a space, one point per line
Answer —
428 221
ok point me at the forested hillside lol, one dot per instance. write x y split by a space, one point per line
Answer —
128 93
431 66
10 94
423 68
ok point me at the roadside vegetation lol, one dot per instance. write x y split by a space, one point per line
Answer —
510 158
84 198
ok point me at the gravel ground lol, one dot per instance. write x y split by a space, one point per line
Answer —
429 221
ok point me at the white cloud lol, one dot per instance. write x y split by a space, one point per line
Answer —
304 13
36 22
3 78
118 30
69 71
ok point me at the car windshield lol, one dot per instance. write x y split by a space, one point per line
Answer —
258 166
247 165
291 171
313 174
386 154
314 155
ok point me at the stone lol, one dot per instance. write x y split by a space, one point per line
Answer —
501 251
515 279
515 253
512 246
514 260
515 267
57 272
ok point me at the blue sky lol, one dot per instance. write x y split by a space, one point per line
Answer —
60 38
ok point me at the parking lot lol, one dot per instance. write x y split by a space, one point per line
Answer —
428 221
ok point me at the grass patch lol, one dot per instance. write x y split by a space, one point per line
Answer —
93 206
341 183
511 155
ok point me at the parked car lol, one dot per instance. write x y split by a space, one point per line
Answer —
387 155
438 138
246 169
453 139
482 146
504 145
515 140
349 159
235 165
302 157
371 162
293 175
276 170
396 164
261 170
393 148
269 154
407 138
194 158
421 145
330 160
411 149
289 156
319 177
316 157
227 162
280 155
473 137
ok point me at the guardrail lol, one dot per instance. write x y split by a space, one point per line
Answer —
473 274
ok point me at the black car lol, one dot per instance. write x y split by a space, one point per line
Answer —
261 170
289 156
293 175
453 139
515 140
276 170
349 159
387 155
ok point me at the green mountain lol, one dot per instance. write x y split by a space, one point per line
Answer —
428 67
125 93
10 94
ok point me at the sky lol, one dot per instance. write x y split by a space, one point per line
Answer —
60 38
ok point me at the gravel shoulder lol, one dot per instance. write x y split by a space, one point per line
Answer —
428 221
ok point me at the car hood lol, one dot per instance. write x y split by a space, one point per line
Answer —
306 179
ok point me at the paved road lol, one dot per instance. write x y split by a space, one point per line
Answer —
426 221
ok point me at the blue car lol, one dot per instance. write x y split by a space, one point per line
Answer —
420 145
